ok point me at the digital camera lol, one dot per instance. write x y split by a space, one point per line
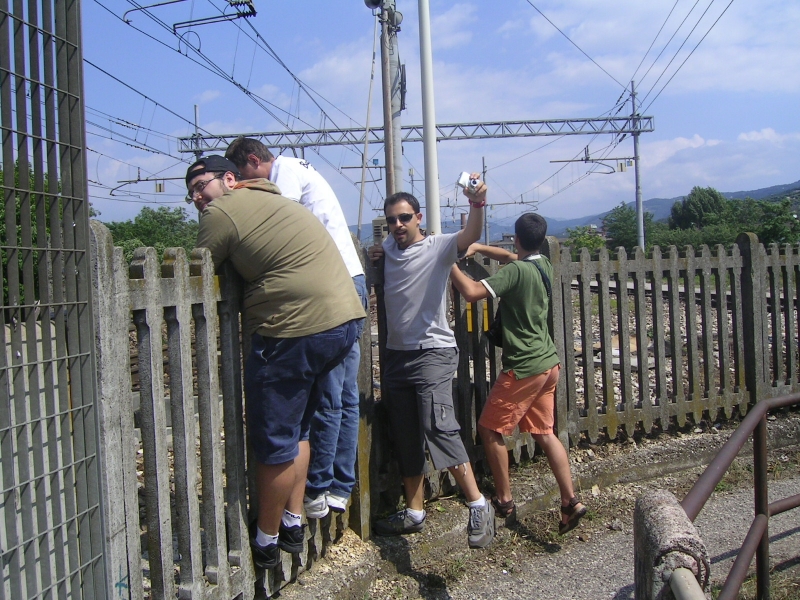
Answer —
466 182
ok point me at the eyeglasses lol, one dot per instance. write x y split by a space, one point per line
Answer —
404 218
199 187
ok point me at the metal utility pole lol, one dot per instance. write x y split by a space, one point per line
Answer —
639 206
386 9
429 121
396 79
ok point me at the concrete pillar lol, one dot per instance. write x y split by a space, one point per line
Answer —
664 539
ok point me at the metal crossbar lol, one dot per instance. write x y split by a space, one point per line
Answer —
413 133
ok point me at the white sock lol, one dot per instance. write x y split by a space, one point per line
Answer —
264 540
480 502
416 515
290 519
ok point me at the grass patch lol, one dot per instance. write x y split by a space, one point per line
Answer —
455 569
784 584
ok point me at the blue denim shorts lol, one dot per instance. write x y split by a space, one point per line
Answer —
285 378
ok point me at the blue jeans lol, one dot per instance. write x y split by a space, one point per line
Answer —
334 426
285 380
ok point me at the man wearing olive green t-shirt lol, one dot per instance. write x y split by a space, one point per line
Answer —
303 314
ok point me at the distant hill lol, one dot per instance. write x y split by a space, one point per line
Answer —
660 207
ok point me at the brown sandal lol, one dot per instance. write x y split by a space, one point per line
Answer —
503 509
573 515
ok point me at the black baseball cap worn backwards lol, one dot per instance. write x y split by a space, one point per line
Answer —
211 164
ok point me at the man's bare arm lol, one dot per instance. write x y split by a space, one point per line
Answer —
499 254
477 200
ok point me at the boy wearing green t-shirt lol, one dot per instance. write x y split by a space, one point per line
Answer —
524 393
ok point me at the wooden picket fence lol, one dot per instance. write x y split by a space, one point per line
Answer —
179 496
645 341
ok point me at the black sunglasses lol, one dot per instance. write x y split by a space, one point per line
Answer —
404 218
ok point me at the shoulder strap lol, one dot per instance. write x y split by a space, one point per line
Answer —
545 278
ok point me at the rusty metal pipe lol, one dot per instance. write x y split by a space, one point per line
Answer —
702 489
738 572
761 505
784 504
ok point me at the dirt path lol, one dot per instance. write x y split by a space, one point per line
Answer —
529 560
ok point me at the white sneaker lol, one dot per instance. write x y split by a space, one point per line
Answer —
336 503
316 508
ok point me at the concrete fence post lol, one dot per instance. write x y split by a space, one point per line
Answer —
753 314
120 500
664 539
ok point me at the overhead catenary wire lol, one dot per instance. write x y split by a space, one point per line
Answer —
689 55
574 44
641 62
130 141
214 67
678 51
264 45
669 41
152 174
142 94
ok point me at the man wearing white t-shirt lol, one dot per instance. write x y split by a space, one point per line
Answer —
334 428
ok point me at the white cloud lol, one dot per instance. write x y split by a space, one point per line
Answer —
207 96
655 153
769 135
455 27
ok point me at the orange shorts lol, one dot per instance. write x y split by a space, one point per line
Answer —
529 402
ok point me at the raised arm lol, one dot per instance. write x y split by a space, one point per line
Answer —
493 252
470 289
477 200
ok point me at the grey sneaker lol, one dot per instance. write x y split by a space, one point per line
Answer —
480 529
399 523
316 508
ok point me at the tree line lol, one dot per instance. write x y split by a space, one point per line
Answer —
160 228
704 216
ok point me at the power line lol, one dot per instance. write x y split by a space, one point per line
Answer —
149 173
142 94
574 44
215 68
133 143
302 85
687 58
130 125
678 50
670 41
264 45
654 41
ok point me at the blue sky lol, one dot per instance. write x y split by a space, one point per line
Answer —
728 118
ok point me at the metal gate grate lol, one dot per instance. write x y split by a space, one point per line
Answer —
51 536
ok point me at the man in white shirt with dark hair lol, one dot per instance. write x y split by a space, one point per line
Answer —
334 428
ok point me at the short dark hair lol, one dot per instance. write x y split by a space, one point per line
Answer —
401 197
242 147
530 229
